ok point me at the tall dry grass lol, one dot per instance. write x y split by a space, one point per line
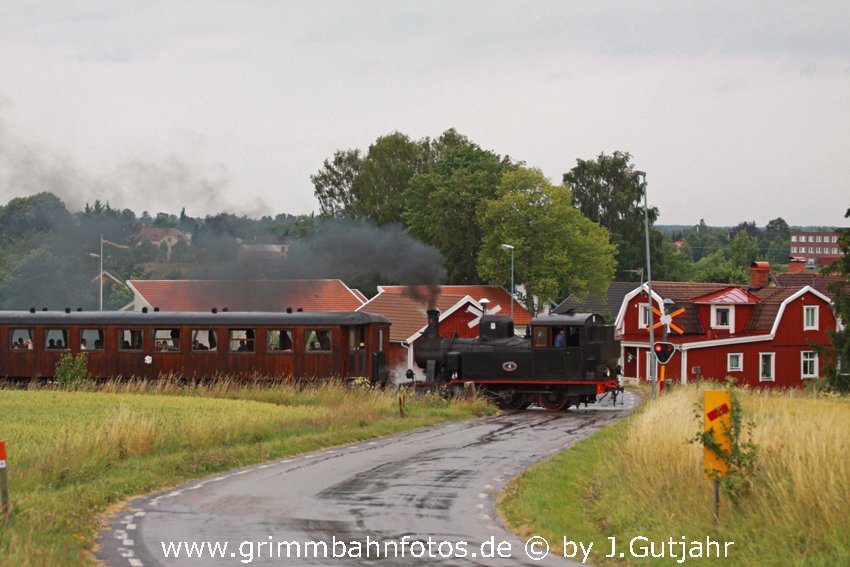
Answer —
797 510
642 477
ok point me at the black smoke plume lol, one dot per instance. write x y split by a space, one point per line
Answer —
355 251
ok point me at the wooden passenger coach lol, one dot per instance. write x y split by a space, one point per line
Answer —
198 345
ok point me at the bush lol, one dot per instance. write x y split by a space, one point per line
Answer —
73 372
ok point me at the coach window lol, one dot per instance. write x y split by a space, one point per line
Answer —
56 339
279 340
91 339
204 340
318 340
242 340
20 339
166 340
356 338
130 339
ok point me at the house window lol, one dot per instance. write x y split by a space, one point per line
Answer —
818 250
643 315
766 367
810 318
835 250
734 362
809 364
811 250
793 250
817 238
793 238
722 317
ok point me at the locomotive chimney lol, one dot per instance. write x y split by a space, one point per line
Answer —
433 323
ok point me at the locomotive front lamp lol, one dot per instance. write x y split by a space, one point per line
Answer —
511 248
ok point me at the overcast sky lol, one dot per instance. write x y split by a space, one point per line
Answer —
737 111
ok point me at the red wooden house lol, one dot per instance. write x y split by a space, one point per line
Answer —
460 308
761 334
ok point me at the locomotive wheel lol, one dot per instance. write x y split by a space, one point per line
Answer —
553 401
516 401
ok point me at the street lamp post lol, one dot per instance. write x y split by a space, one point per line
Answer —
511 248
652 358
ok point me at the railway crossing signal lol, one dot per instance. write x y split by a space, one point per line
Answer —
664 352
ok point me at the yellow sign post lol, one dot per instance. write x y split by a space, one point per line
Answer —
717 423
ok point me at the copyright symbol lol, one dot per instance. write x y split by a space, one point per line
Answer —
536 548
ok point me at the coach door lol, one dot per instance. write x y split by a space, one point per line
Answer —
357 351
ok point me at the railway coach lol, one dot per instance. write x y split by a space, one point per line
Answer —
196 344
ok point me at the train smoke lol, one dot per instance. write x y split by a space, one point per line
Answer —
353 251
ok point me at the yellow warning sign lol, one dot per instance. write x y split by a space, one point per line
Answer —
718 421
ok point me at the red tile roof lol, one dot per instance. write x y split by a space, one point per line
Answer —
818 281
407 314
764 312
497 296
247 295
155 234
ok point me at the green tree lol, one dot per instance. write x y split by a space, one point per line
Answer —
380 185
334 183
743 250
715 268
607 192
837 367
557 249
775 245
445 205
371 187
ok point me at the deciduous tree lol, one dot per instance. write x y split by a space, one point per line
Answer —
445 205
607 192
557 250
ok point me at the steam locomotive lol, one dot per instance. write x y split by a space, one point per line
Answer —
567 360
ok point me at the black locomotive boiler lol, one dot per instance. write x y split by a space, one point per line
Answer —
567 360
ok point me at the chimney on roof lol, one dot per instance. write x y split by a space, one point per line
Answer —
796 265
759 274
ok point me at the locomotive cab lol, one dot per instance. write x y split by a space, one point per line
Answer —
574 347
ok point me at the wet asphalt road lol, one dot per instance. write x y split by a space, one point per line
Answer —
438 483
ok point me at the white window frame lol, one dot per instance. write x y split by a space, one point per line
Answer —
818 238
740 367
793 238
813 359
643 315
714 323
811 309
772 377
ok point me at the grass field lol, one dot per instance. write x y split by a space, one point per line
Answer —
641 478
74 454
